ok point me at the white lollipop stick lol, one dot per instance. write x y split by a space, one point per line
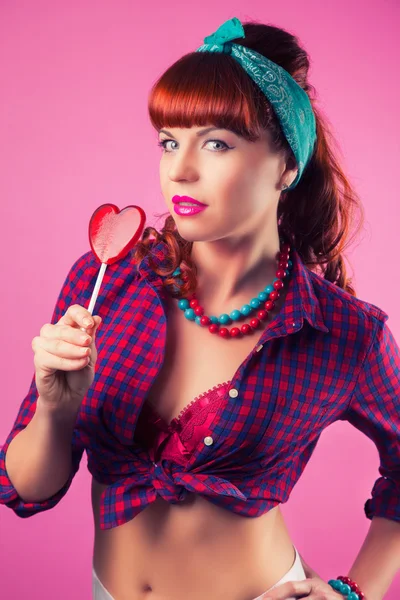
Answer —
97 287
96 290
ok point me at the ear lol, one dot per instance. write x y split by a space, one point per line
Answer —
290 172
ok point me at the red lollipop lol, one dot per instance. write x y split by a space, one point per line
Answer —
112 234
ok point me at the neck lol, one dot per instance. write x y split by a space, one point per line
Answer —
231 271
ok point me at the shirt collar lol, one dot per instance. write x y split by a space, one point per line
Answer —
301 299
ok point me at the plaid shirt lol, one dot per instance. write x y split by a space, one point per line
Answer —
326 356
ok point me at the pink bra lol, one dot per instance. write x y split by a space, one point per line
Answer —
178 439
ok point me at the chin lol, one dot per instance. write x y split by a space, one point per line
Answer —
190 233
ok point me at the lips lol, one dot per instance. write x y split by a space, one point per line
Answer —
178 199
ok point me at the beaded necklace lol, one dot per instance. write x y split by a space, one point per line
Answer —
193 311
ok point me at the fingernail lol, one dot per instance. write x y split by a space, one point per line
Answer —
88 322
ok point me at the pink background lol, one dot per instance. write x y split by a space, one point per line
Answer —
75 134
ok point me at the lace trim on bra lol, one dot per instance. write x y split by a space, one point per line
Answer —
194 408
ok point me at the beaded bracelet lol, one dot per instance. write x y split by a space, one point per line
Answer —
347 587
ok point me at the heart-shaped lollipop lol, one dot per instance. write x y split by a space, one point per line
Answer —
112 234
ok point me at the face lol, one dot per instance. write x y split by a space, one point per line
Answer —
238 180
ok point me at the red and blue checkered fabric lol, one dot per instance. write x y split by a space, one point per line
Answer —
326 356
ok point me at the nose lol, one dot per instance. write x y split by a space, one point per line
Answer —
183 166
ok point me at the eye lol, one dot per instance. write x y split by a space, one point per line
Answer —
162 144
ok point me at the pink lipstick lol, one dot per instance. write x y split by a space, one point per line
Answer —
186 206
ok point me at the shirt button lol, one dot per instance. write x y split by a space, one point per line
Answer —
208 440
259 347
233 393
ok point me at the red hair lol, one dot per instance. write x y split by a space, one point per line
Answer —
204 88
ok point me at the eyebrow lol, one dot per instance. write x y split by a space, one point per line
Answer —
199 133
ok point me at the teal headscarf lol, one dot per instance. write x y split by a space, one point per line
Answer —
289 101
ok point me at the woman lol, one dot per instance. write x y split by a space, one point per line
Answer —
196 432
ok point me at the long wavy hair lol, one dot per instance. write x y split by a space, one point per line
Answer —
204 88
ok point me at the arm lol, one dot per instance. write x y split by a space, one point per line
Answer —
377 562
45 449
378 559
375 411
38 460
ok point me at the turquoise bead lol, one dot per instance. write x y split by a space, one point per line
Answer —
183 303
235 315
255 303
224 319
353 596
190 314
346 589
334 583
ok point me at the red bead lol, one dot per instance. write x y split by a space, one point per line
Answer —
213 328
353 586
284 256
283 264
224 332
269 305
278 284
245 328
274 295
285 247
254 323
235 332
204 321
262 315
199 311
193 303
281 273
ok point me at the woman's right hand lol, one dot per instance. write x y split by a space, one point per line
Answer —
65 359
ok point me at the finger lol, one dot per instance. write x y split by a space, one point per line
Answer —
93 328
93 331
77 315
60 347
63 332
97 322
46 363
296 589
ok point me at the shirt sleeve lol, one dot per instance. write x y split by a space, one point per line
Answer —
375 411
69 294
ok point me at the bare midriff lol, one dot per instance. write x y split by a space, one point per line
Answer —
193 549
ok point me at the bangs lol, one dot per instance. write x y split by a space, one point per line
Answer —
204 88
